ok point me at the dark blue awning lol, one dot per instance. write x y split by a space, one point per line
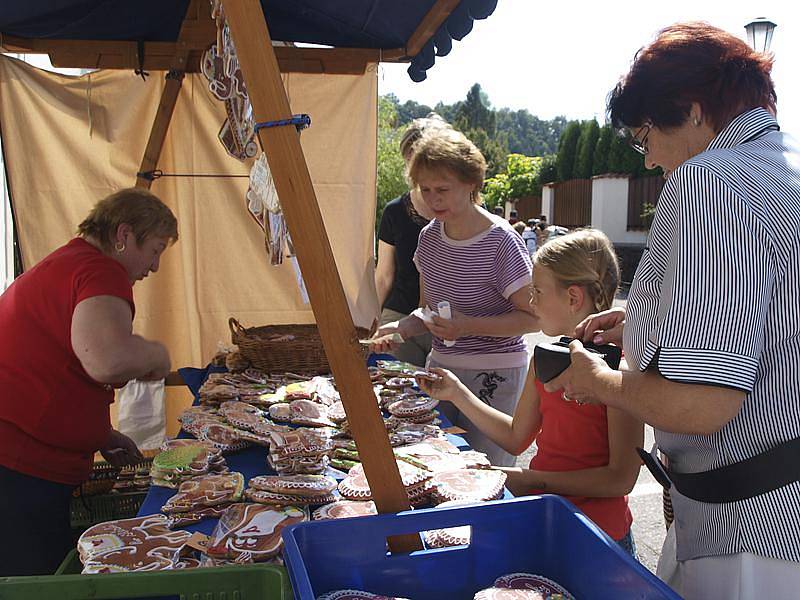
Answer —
379 24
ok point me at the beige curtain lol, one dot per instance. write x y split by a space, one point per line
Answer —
69 141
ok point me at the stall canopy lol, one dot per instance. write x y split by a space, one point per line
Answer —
386 26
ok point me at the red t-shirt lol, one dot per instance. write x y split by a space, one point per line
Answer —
573 437
53 416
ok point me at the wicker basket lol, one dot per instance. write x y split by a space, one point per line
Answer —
284 348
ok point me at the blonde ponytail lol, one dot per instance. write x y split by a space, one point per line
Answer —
584 257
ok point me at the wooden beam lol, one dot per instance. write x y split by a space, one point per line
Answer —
296 192
169 95
174 378
429 25
159 56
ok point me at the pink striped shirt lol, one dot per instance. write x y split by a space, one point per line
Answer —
477 276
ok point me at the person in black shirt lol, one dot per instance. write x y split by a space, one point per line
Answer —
396 276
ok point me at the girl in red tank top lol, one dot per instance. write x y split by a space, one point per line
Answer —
586 452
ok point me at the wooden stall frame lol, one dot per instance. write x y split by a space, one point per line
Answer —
169 95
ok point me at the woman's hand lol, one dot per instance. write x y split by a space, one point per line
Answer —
121 450
448 329
603 327
584 380
161 361
386 338
448 388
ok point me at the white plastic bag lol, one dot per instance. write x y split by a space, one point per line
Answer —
141 413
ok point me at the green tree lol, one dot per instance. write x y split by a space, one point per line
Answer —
476 113
493 150
590 133
567 149
495 190
521 179
548 172
601 151
391 168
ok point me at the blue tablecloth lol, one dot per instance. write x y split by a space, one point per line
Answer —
250 462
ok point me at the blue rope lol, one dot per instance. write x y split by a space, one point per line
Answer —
299 121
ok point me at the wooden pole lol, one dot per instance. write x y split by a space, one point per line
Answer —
169 96
304 220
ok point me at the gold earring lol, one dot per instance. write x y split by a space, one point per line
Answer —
119 247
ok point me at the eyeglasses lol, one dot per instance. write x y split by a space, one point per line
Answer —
639 142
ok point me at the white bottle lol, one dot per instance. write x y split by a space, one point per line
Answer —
443 309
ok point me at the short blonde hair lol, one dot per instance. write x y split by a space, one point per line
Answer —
450 150
584 257
139 208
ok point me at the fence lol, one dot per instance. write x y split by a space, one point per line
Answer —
642 191
572 203
529 207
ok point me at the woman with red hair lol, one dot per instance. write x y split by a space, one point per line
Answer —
712 327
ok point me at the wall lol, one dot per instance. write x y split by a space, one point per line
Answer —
610 210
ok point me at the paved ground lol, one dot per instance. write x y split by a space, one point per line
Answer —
645 499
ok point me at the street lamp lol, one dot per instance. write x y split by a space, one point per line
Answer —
759 34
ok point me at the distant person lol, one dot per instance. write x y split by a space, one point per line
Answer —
520 227
476 262
541 231
499 211
396 276
513 218
529 235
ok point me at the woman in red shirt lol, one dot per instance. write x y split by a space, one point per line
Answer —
66 341
585 452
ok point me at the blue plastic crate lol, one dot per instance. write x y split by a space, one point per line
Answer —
545 535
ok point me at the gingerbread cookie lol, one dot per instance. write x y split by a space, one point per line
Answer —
252 532
356 487
412 406
138 544
298 485
222 436
344 509
355 595
208 490
475 485
264 497
537 583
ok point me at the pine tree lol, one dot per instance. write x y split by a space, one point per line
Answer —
602 150
590 132
567 149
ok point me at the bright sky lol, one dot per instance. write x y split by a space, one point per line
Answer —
562 58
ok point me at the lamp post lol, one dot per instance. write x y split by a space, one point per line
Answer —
759 34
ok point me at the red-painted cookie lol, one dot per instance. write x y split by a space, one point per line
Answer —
252 532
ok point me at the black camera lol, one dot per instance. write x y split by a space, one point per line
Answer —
553 359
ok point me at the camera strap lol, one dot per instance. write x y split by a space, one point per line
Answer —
745 479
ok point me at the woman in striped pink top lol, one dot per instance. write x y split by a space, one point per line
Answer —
477 263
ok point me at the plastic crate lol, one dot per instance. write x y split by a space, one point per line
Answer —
249 582
544 535
90 510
